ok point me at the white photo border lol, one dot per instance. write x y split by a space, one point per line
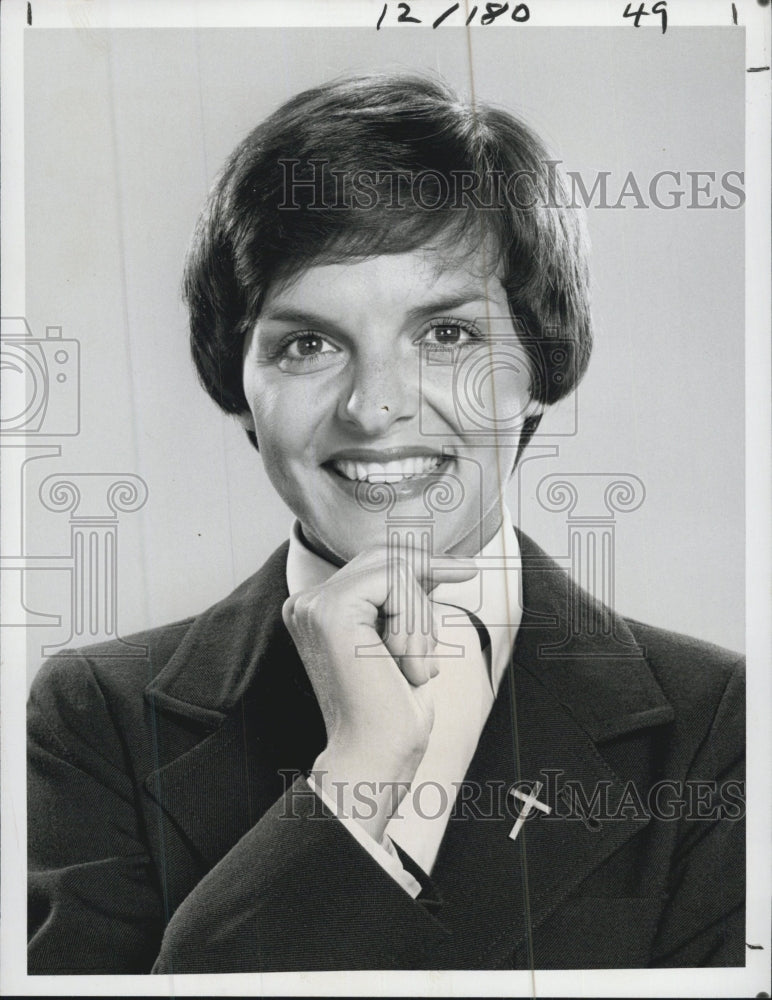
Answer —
748 981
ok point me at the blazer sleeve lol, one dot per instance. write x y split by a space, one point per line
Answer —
94 901
704 922
297 892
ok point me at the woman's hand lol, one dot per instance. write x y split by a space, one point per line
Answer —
377 708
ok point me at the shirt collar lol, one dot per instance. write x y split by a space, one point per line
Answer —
493 596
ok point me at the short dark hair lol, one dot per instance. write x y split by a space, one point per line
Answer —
255 230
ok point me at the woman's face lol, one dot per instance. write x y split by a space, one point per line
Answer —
402 369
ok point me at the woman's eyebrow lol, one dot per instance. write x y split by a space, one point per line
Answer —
446 303
303 317
443 303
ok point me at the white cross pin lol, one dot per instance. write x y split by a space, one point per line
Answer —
529 801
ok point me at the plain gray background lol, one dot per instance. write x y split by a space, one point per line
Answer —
124 132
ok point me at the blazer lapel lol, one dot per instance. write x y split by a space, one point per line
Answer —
547 719
249 719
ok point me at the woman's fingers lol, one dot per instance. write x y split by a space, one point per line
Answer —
418 665
407 616
450 569
382 591
410 626
394 582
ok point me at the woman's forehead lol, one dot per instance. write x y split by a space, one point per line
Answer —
461 269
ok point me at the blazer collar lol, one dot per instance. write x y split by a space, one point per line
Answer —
585 655
227 646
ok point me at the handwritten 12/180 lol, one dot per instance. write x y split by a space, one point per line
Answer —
491 12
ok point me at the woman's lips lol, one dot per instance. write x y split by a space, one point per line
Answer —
408 478
390 471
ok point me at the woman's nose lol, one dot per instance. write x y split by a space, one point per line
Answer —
380 393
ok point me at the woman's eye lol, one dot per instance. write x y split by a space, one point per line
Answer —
301 353
451 334
308 345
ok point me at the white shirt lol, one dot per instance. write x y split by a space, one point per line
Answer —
464 692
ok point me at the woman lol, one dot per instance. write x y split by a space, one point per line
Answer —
332 768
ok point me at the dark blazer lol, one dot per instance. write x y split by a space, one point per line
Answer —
164 837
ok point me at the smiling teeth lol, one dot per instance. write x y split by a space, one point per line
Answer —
387 472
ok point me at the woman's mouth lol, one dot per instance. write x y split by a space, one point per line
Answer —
393 471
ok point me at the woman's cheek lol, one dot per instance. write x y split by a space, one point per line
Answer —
438 391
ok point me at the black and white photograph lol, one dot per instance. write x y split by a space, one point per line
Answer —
385 539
